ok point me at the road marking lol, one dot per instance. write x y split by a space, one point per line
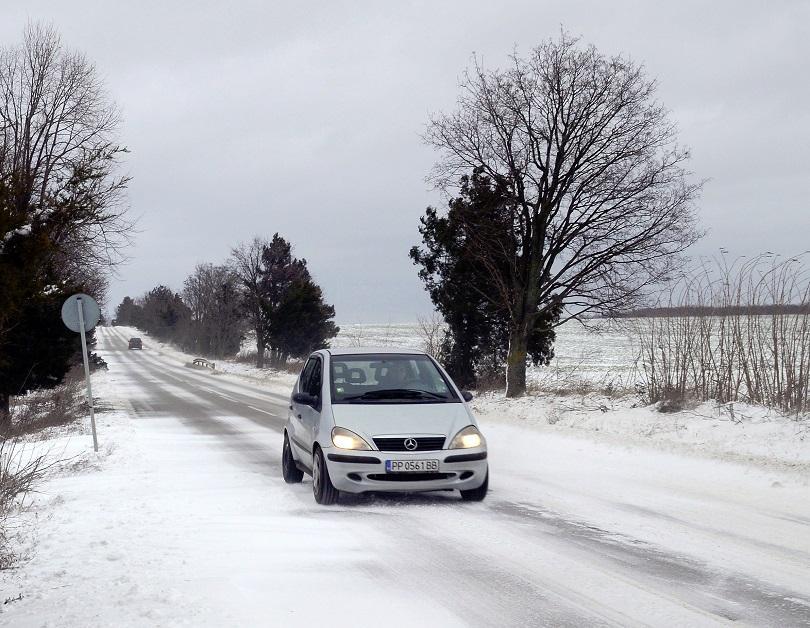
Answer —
262 411
219 394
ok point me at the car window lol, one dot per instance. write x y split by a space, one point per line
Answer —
303 381
314 384
388 378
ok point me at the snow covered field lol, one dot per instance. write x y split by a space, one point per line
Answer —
601 353
617 517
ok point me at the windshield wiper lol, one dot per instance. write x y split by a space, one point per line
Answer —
396 393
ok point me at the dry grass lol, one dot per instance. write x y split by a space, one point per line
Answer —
22 465
245 357
21 470
724 353
46 408
248 357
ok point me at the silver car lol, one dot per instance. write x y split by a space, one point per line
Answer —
382 420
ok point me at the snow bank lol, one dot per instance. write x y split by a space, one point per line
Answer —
737 432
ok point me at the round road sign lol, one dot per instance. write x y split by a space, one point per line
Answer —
70 312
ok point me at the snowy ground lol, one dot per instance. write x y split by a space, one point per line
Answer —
183 519
736 432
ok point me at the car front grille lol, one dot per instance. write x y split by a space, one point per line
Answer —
423 443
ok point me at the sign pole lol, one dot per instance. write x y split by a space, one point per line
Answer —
87 373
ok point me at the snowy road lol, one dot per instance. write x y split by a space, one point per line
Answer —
574 532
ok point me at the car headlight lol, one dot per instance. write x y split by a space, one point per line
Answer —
346 439
467 438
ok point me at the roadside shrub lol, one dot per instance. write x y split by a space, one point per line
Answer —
432 332
735 331
293 365
21 469
51 407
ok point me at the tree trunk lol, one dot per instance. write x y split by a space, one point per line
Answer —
516 361
524 318
5 415
259 349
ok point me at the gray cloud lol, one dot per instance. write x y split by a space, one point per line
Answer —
249 117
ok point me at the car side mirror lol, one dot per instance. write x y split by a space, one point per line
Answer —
305 399
466 395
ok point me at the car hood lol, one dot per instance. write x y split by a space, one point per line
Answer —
403 419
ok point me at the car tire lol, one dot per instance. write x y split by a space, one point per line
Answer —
322 488
292 474
477 494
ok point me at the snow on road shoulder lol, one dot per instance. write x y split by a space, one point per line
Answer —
738 432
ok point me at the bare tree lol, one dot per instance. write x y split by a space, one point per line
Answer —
212 294
602 204
57 145
246 261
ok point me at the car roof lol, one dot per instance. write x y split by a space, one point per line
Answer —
366 350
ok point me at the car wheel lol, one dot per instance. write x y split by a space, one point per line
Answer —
477 494
322 487
292 474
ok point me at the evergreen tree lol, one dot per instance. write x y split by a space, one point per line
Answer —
464 251
297 319
165 316
302 322
129 313
36 349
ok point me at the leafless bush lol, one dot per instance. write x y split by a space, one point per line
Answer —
563 379
574 386
354 336
46 408
21 469
737 331
245 357
249 357
489 380
431 332
291 366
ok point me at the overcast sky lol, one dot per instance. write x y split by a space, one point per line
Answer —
249 117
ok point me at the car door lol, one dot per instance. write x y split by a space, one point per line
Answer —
311 415
299 435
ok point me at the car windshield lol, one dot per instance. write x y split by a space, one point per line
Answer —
388 378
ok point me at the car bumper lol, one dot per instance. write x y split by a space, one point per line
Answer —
364 471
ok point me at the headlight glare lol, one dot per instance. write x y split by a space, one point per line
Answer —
346 439
468 438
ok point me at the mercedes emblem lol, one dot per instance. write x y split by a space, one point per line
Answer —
411 444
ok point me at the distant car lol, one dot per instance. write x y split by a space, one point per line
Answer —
382 420
135 343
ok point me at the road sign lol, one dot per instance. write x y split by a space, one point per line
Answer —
80 313
70 312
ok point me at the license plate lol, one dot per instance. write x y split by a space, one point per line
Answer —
411 466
